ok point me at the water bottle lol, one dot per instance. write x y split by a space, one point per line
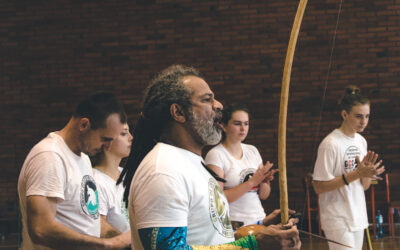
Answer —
379 224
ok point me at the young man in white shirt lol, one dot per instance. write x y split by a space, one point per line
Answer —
58 195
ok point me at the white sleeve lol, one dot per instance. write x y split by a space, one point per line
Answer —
45 175
213 157
168 205
118 220
325 163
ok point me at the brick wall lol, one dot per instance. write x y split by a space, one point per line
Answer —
55 53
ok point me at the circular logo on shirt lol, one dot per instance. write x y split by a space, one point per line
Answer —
219 209
89 197
350 154
245 175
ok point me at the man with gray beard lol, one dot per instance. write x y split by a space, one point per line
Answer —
175 202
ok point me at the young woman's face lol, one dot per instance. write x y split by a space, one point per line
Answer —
121 146
357 119
237 127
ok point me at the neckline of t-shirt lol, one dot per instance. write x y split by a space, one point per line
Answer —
346 136
109 177
59 138
231 156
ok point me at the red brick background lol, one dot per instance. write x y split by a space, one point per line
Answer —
53 53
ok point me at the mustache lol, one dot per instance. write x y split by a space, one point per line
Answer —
218 115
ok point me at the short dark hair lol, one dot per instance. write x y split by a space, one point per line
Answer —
352 97
98 107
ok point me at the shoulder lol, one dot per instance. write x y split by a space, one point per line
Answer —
218 148
216 156
249 147
331 140
361 138
164 159
250 150
50 143
48 150
44 161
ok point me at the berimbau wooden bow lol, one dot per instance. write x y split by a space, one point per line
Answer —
283 112
283 117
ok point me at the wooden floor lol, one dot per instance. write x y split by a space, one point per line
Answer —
11 243
378 244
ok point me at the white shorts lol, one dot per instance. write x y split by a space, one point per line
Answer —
344 236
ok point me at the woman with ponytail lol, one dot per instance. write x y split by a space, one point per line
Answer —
340 176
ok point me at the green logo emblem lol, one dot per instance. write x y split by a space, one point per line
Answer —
89 197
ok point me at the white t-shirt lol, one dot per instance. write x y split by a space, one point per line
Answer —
344 207
111 202
51 169
248 208
171 188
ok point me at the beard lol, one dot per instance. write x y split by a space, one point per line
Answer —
205 130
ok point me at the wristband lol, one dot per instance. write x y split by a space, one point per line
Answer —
344 180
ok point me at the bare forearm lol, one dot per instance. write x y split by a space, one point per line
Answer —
235 193
337 182
366 182
56 235
61 237
107 231
264 191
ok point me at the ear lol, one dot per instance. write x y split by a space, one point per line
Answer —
83 124
223 126
177 113
344 114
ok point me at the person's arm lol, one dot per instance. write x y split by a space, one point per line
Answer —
45 230
275 217
366 182
264 190
112 222
368 168
337 182
167 238
238 191
107 231
265 187
375 168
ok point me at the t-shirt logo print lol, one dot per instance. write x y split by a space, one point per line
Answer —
219 209
350 162
89 197
245 175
